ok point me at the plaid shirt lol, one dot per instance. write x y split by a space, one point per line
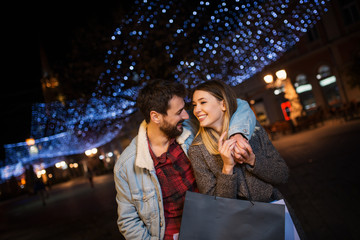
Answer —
176 176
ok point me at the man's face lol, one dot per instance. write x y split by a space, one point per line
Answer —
171 123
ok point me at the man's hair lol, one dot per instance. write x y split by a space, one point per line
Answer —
156 95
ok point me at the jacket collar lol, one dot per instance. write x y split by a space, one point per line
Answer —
143 158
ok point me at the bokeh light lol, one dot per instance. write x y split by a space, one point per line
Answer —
187 41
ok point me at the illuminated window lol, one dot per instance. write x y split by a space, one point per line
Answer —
304 90
301 80
323 72
328 85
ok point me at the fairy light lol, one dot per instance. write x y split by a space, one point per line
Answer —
196 41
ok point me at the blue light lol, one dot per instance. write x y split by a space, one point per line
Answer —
244 37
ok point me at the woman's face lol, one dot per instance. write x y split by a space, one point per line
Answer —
208 110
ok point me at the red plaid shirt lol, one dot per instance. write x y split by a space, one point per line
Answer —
176 176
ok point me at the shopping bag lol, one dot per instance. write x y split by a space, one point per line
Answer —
290 229
215 218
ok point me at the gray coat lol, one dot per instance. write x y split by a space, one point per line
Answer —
269 170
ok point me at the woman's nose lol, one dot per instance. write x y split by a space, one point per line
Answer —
196 109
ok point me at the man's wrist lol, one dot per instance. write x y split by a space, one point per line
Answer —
240 134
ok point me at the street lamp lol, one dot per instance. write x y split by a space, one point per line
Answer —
282 81
30 142
91 152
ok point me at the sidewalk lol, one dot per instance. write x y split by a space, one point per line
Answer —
324 188
74 210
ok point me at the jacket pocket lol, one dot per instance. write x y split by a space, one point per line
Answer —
146 204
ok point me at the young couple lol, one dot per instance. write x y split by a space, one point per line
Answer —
226 149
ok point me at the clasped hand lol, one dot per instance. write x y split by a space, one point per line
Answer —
235 150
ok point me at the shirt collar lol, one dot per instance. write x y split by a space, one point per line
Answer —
163 157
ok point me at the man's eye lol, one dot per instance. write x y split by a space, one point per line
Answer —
203 102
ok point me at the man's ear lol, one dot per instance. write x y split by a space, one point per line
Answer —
155 117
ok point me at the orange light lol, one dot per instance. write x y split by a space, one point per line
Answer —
30 141
268 78
281 74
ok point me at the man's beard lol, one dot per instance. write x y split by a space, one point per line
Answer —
170 130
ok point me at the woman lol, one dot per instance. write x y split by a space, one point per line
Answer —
217 172
255 174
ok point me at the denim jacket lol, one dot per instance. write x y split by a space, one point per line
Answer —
139 197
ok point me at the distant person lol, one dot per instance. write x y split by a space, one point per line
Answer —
35 185
40 188
153 173
29 179
90 176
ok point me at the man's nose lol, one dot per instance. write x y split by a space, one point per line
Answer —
184 115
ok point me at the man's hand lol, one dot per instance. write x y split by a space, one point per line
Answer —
243 152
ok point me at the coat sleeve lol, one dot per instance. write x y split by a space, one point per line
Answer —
129 223
269 165
243 120
210 180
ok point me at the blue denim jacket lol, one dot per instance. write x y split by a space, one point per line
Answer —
139 197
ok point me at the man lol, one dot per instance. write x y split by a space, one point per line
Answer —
153 173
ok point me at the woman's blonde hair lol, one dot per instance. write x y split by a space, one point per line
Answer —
221 92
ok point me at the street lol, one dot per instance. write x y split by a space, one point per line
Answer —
74 210
323 189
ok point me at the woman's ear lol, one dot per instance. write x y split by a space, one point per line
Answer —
223 106
155 117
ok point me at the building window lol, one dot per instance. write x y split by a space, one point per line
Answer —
260 112
350 11
312 34
329 86
301 80
304 90
323 72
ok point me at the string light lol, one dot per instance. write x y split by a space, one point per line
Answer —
197 41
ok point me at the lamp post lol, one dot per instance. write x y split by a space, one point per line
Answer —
282 81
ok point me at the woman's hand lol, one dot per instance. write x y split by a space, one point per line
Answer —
226 148
243 152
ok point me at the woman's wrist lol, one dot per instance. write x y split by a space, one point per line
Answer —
228 169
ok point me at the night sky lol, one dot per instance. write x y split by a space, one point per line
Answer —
50 25
247 42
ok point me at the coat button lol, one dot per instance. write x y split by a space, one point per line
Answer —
161 224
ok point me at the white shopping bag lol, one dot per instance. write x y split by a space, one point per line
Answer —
290 230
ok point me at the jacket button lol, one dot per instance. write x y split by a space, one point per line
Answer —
161 224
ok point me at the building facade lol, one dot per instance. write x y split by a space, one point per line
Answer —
323 68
